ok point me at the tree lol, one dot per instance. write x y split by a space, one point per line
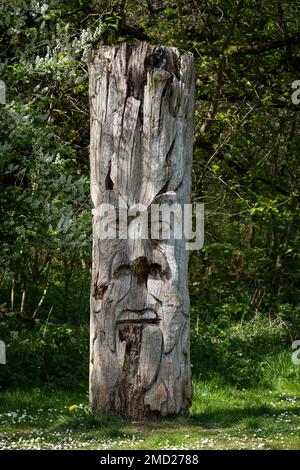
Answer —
142 104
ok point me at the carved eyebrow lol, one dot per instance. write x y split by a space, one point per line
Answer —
122 269
155 266
162 270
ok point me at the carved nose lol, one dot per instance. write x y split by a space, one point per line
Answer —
139 251
140 267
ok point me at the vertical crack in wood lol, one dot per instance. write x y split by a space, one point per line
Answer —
109 184
130 393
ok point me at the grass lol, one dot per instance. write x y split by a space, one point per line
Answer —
222 417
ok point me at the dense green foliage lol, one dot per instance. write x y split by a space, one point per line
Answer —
245 282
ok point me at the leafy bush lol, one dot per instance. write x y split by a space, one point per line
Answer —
235 350
228 344
55 356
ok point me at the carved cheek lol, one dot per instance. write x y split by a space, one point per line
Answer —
150 355
171 316
116 291
154 285
120 287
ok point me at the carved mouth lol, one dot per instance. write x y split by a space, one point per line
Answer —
138 316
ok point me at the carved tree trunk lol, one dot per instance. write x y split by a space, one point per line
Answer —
142 106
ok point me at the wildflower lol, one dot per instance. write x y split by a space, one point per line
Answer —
73 407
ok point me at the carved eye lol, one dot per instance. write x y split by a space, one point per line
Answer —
155 271
122 271
99 291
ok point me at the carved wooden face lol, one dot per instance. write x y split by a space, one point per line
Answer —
137 295
141 152
138 303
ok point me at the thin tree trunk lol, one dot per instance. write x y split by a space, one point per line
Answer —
3 279
142 106
280 253
41 301
12 294
22 307
67 278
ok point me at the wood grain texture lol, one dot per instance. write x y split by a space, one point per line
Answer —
142 107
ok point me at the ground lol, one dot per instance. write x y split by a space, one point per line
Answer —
222 417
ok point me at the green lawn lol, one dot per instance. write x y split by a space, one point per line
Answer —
222 417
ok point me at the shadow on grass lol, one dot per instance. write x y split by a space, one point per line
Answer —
212 415
229 417
112 425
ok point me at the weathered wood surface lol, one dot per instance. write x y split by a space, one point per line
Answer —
142 106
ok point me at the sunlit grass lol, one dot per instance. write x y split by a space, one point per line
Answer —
222 417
